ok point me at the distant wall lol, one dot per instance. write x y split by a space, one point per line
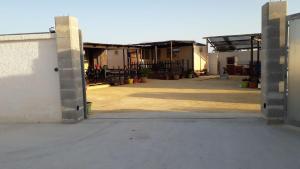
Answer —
200 58
29 86
213 60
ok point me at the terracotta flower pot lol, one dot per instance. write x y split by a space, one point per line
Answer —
144 80
252 85
176 77
167 77
135 80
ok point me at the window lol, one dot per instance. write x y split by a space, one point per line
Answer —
176 52
230 61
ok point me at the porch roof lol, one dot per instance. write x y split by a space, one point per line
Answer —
168 43
92 45
234 42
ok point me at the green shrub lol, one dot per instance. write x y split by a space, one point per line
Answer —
145 72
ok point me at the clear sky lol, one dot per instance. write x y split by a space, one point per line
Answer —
131 21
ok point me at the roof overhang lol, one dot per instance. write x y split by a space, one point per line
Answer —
90 45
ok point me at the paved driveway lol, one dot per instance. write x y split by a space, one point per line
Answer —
149 143
184 96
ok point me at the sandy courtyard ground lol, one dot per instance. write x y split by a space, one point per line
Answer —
197 95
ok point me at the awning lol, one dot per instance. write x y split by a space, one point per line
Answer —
235 42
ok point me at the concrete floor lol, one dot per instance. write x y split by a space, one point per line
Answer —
186 96
202 124
245 143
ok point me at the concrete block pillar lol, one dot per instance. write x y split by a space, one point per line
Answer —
293 106
69 51
274 53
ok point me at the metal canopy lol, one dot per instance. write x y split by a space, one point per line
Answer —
167 43
234 42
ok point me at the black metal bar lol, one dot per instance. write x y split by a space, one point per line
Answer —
124 59
251 55
137 59
258 51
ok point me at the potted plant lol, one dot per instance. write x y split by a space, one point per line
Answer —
167 76
122 81
245 83
144 74
204 72
88 108
135 79
130 80
190 73
176 76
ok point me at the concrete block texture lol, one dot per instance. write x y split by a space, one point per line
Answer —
274 44
68 49
293 106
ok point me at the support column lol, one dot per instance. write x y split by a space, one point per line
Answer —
68 51
273 51
156 55
208 68
251 57
171 58
124 66
258 51
137 59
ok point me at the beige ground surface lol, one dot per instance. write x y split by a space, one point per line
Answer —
185 96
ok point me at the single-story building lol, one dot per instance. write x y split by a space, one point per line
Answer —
118 56
194 54
110 55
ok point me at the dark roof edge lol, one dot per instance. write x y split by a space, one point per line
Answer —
169 41
293 16
110 45
237 35
141 44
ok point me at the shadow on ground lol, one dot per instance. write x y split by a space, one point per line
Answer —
215 97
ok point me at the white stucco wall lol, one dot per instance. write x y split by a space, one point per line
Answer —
29 86
213 63
242 58
200 58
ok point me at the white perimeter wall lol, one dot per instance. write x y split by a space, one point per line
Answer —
29 86
242 58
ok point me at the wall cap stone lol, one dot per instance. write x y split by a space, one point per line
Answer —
27 36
